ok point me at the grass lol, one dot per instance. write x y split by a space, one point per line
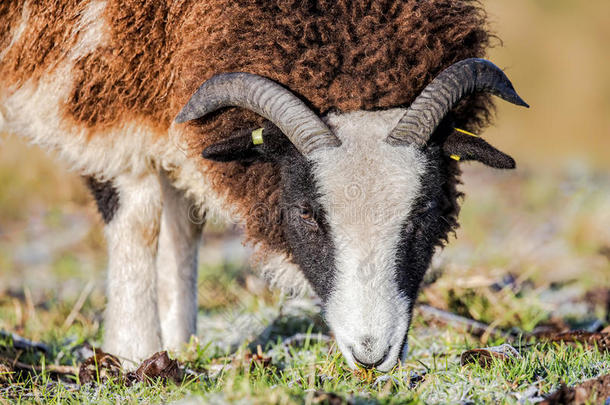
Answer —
307 373
313 371
530 248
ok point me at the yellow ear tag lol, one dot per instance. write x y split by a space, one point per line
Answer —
257 136
456 157
466 132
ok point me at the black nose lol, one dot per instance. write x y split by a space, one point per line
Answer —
369 364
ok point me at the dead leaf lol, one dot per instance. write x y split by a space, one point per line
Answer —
416 378
5 373
484 357
552 326
255 359
598 296
158 366
365 375
103 366
598 388
599 339
99 368
328 398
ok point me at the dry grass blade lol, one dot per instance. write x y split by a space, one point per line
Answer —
5 373
597 388
258 359
484 357
78 305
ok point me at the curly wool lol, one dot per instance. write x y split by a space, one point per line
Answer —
344 55
335 54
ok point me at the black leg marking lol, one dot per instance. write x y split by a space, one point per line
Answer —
106 197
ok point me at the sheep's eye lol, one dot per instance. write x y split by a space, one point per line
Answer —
306 215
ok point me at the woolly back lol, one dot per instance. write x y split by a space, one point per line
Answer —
344 55
335 54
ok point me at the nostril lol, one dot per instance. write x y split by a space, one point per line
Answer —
370 364
367 342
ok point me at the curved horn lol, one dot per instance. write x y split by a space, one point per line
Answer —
438 98
301 125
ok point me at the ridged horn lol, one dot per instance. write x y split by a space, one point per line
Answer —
440 96
258 94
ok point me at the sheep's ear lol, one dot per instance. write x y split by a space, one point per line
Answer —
247 146
238 147
461 146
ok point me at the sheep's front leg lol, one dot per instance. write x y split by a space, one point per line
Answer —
177 266
132 329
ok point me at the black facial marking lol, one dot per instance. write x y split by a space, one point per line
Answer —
106 197
303 220
433 216
305 226
435 213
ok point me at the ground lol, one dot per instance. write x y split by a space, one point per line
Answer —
532 255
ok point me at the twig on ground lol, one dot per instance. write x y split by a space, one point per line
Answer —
49 367
599 340
21 343
476 328
300 338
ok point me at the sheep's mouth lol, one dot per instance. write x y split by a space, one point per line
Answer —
374 365
392 357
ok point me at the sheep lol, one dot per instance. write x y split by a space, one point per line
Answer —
349 187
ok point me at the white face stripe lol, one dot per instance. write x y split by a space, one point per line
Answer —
367 189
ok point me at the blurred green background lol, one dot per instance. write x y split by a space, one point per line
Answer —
548 220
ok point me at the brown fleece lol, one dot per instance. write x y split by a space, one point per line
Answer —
9 19
45 40
335 54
